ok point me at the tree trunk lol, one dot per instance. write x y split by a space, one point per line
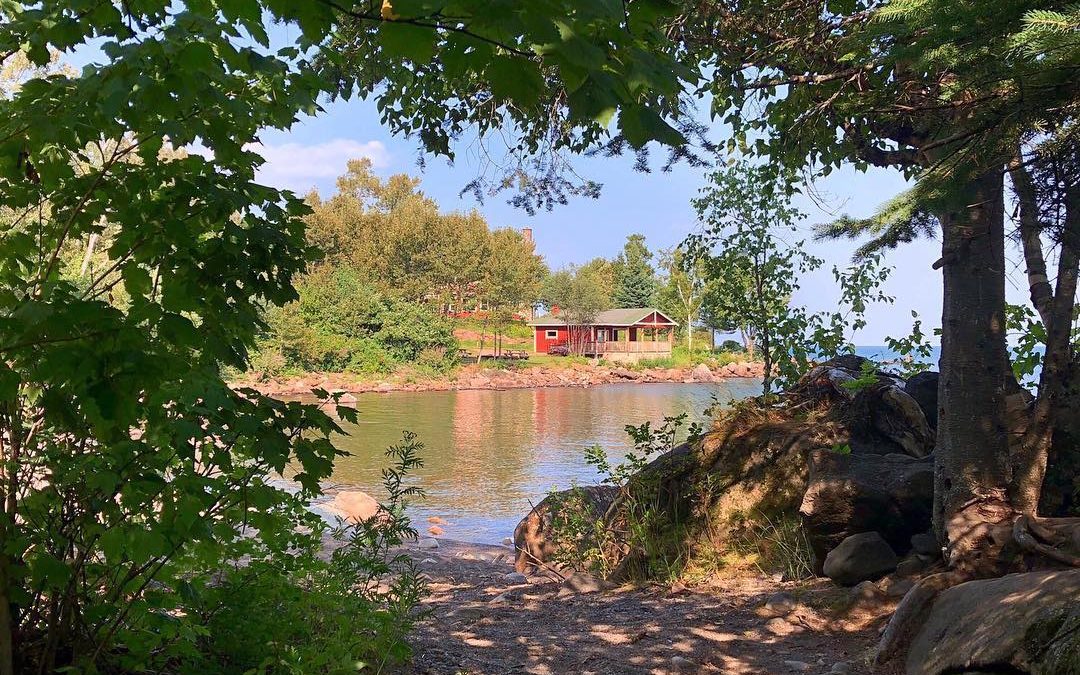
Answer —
1030 458
971 477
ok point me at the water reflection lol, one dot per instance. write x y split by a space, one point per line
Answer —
489 454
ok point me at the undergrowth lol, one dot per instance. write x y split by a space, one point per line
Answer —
302 613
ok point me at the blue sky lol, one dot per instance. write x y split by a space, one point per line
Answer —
657 205
315 151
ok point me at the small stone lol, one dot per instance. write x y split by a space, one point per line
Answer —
429 561
925 544
429 544
779 604
470 613
867 590
581 583
798 666
841 668
507 541
779 626
683 665
909 567
860 557
895 587
515 578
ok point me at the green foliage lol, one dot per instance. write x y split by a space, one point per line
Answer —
642 532
550 77
730 346
754 274
684 289
343 324
348 613
914 349
868 377
580 294
132 472
777 545
635 278
393 238
579 534
1029 342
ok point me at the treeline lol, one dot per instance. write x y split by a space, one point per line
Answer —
393 271
684 287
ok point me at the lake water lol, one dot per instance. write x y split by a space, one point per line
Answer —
489 455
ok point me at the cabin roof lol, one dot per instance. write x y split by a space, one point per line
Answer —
610 317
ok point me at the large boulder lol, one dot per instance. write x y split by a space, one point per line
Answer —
892 495
880 416
860 557
1020 623
923 388
537 538
353 506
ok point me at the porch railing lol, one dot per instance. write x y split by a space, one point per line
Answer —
614 346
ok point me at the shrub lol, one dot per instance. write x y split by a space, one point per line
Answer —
368 356
408 328
297 613
342 324
732 346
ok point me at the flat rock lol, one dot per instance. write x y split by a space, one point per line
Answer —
1026 623
580 583
515 578
779 604
428 544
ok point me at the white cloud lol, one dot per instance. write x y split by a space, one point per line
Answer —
300 167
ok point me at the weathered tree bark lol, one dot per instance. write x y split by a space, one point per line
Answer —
971 462
1056 308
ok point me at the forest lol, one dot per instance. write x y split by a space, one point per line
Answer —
154 518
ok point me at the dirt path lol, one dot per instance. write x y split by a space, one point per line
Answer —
482 621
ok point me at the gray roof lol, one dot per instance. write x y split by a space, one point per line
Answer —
610 317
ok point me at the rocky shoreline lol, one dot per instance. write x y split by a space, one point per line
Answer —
481 377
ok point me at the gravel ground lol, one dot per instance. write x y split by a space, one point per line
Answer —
484 620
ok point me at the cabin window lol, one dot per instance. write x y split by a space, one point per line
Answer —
551 334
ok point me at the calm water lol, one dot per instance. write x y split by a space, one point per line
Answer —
489 455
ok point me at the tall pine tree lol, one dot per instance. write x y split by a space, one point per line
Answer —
635 284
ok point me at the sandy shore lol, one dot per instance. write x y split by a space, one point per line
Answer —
483 618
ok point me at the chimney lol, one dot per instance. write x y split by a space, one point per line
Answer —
554 310
528 234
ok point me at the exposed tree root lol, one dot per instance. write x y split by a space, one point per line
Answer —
911 612
1049 537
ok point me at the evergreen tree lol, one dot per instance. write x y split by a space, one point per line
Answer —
635 278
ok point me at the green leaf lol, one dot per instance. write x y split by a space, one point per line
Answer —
641 125
402 40
515 79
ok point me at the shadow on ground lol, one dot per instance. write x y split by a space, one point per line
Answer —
482 622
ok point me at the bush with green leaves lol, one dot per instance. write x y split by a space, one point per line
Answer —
341 323
640 538
305 613
755 271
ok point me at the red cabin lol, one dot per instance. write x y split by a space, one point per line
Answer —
616 334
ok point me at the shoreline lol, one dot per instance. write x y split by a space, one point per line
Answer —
478 377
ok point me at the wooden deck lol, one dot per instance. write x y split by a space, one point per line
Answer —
623 347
